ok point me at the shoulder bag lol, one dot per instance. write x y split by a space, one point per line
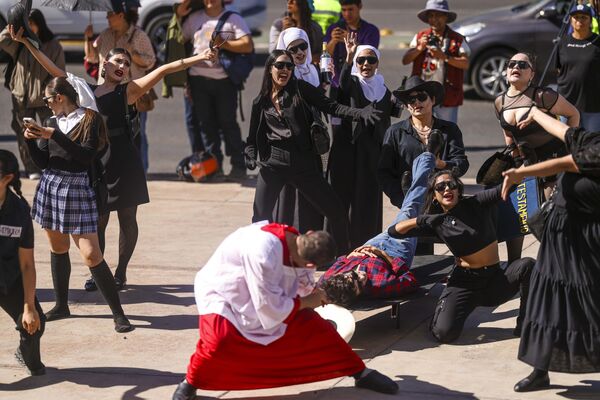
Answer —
490 173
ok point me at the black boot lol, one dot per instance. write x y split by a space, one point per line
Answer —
435 143
184 391
406 182
60 265
537 380
377 382
106 283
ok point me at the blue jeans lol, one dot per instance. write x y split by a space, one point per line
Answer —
144 139
411 208
194 129
446 113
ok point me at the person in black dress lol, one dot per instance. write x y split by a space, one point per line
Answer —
355 154
17 270
561 329
124 172
467 225
280 135
531 144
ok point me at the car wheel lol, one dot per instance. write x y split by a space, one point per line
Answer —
156 30
489 73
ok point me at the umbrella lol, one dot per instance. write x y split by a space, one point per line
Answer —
80 5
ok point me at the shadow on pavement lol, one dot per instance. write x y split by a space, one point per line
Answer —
103 377
590 390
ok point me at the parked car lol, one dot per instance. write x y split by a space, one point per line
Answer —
154 17
498 34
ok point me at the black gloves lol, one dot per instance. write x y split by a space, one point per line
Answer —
370 115
250 157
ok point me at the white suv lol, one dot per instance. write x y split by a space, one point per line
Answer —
154 17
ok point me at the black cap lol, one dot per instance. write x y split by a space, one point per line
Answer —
18 17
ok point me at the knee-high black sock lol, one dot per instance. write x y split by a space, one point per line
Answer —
128 236
60 265
106 283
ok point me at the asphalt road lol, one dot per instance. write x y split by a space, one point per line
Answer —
166 128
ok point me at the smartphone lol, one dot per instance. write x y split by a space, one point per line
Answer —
27 120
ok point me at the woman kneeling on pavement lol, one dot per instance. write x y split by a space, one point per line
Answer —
467 225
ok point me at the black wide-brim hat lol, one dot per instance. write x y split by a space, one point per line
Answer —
417 84
18 17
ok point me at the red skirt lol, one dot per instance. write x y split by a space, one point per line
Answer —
311 350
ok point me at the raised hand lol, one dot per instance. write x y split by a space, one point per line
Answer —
351 42
16 36
511 178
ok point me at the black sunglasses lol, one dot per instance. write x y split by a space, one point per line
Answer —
370 59
520 64
441 186
284 64
302 46
421 96
46 98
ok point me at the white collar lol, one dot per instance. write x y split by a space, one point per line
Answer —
67 122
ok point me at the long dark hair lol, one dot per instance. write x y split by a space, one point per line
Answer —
267 83
45 34
60 85
305 14
10 165
431 205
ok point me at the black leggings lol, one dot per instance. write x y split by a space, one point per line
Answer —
128 235
469 288
12 303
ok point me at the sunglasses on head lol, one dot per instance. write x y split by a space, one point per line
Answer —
47 98
302 46
284 64
421 96
441 186
512 64
370 59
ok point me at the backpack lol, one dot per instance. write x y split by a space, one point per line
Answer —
198 167
237 65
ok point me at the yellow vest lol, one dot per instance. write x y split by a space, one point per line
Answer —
326 12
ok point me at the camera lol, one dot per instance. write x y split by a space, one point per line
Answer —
433 40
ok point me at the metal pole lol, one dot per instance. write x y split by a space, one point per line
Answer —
563 30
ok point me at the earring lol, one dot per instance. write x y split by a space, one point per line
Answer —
103 73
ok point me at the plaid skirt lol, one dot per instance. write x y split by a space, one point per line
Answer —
65 202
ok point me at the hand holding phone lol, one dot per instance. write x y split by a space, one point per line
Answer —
32 127
28 121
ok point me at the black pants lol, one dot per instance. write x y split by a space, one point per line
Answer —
12 303
469 288
18 113
215 104
301 172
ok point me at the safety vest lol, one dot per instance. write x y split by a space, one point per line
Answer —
326 13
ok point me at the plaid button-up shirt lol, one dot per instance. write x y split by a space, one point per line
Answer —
384 280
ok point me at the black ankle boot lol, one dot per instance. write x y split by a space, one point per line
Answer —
377 382
184 391
537 380
406 181
60 265
435 143
106 284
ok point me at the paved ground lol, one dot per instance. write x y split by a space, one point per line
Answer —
180 228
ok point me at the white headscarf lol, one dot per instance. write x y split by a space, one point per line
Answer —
305 71
374 87
85 95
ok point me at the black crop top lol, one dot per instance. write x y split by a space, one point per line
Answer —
533 134
467 228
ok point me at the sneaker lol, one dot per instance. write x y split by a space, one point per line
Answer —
237 174
35 176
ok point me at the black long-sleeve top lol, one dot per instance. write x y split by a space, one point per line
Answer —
296 114
401 146
61 152
467 228
391 107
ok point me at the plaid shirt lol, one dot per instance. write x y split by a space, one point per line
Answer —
384 280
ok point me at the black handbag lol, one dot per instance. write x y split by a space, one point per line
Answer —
490 173
537 222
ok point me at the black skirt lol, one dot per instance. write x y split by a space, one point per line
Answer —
561 330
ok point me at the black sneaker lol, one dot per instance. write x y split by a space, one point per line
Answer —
377 382
33 372
184 391
435 143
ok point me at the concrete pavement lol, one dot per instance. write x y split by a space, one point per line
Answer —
179 229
